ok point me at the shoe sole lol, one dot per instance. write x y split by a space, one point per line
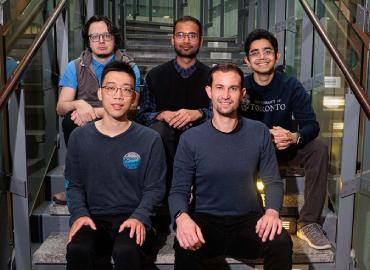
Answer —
303 237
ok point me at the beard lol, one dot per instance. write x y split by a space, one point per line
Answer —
104 55
190 55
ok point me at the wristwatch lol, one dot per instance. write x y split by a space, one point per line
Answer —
178 213
299 138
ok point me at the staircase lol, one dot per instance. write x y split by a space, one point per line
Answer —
149 44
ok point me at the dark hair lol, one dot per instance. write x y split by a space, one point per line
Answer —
258 34
118 66
188 19
112 29
226 68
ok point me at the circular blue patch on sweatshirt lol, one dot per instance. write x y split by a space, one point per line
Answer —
131 160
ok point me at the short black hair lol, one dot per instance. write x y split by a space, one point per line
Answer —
188 19
258 34
112 29
118 66
225 68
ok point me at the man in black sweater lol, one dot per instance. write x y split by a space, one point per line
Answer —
276 99
116 171
218 161
174 98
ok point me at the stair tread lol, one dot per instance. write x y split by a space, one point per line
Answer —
161 37
53 251
166 48
135 22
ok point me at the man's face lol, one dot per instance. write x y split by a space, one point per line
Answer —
117 94
261 57
226 93
186 39
100 40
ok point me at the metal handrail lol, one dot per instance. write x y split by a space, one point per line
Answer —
26 60
354 84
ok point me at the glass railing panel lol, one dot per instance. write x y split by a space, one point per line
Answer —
341 32
361 224
328 100
41 88
39 82
24 29
76 22
149 10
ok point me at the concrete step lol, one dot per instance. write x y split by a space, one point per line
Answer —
165 39
54 182
147 30
53 253
147 24
157 61
163 51
51 217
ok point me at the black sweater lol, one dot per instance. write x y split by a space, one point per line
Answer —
276 103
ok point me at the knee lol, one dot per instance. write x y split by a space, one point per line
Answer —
282 244
126 251
320 147
79 250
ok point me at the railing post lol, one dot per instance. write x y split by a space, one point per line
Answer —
348 172
18 184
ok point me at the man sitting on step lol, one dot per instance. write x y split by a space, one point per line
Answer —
218 162
173 98
78 102
276 99
116 175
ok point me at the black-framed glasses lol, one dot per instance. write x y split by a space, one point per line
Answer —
267 52
113 90
181 36
95 37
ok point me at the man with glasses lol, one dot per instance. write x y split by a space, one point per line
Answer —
78 102
282 103
116 172
174 98
218 162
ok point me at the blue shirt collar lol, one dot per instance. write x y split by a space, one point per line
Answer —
185 72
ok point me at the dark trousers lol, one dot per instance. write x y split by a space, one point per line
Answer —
314 157
68 126
170 138
234 237
91 249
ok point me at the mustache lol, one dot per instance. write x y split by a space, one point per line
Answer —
263 61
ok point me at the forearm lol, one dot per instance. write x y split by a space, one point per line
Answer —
64 107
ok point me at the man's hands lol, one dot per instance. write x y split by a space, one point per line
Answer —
268 225
188 233
180 119
135 226
83 113
283 138
76 226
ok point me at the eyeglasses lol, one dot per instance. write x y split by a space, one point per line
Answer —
96 37
266 52
124 91
181 36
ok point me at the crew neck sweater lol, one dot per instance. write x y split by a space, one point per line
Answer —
278 103
222 169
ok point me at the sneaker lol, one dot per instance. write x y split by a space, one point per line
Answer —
314 236
60 198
